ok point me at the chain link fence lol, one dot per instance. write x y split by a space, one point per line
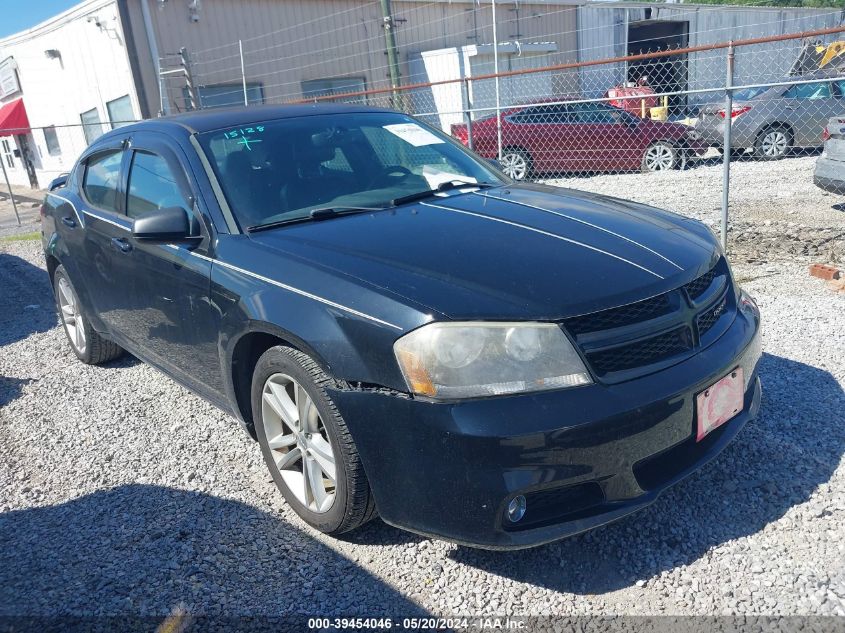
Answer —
33 157
650 126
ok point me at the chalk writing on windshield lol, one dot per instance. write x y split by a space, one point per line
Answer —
245 135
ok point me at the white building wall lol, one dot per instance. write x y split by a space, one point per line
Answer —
92 70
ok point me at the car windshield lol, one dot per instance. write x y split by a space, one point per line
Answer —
284 169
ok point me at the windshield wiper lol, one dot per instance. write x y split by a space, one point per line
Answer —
443 186
315 215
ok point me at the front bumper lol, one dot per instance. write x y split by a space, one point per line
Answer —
582 457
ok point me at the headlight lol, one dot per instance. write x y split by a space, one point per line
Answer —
466 360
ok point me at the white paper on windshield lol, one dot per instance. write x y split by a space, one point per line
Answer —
435 177
413 134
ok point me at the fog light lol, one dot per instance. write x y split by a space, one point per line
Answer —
516 508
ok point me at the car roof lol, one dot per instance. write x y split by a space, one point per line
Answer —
218 118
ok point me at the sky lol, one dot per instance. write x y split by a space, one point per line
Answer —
17 15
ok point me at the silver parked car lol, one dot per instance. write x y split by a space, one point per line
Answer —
772 121
830 166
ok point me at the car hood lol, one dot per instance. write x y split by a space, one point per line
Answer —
516 252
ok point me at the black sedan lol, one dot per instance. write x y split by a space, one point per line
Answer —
405 331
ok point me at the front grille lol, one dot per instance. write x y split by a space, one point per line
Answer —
697 286
622 316
631 340
706 320
646 352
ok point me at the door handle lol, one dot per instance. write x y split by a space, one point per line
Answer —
121 244
69 222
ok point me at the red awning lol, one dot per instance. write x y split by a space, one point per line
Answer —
13 119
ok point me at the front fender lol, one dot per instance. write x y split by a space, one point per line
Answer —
347 347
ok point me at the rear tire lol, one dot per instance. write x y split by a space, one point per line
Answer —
516 163
306 444
773 143
88 345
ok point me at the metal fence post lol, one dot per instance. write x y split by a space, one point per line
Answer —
496 72
467 109
189 79
243 71
11 195
392 53
726 144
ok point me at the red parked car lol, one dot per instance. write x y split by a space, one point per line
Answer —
582 137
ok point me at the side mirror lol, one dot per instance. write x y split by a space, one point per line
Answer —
170 224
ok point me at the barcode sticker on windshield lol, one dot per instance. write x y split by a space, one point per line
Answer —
413 134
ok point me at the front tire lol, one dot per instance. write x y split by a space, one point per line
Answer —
660 156
306 444
86 343
516 163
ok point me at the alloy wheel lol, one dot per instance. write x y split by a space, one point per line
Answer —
71 315
659 157
297 439
514 165
774 143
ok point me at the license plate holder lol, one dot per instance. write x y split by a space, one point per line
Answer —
719 403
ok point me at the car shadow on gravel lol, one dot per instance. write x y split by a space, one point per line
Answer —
774 464
11 388
26 300
142 549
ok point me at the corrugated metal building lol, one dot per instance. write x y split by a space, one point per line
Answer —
106 57
300 48
610 29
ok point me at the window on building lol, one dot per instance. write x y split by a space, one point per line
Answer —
8 153
92 126
313 88
102 175
226 95
120 112
51 140
152 185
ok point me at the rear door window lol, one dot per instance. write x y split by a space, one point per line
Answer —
597 113
102 180
544 115
809 91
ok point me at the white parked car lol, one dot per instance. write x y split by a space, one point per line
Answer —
830 166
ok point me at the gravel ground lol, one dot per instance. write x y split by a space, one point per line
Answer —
122 493
777 213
